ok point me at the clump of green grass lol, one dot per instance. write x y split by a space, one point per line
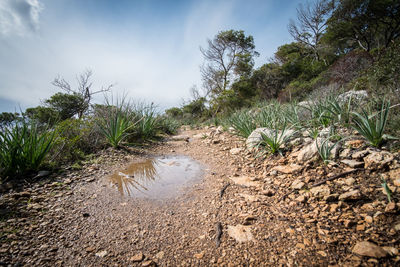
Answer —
387 190
372 126
23 148
243 123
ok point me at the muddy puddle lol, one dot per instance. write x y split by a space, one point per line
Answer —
157 178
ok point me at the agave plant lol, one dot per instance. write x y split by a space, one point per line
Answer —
372 126
275 138
325 148
243 123
23 148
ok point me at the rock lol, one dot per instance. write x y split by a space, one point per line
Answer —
240 233
396 182
288 169
320 191
255 137
368 219
148 263
378 160
137 257
390 208
345 153
250 198
310 151
297 184
160 255
245 181
102 253
365 248
350 181
360 154
352 195
392 251
42 174
352 163
301 199
235 151
357 96
199 255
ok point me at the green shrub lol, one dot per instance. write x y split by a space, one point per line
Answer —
23 148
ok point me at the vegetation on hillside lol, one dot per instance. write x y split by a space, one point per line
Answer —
338 46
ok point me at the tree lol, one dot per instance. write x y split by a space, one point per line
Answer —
43 115
66 105
229 55
311 25
367 24
7 118
84 90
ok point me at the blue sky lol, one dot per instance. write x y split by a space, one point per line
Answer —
149 49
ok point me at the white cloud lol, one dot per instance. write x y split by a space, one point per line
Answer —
19 16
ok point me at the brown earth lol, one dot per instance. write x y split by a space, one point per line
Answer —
243 212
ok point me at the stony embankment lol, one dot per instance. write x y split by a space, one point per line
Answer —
248 210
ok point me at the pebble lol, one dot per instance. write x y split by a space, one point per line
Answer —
366 248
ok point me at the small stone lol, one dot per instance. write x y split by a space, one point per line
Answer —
397 227
320 191
396 182
297 184
352 163
300 246
392 251
352 195
322 253
199 255
365 248
288 169
244 180
360 227
160 255
334 207
301 199
350 181
360 154
390 208
368 219
148 263
240 233
102 253
90 249
137 257
235 151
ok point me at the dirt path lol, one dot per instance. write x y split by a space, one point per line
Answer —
82 221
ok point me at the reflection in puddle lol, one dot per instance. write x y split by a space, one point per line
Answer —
158 177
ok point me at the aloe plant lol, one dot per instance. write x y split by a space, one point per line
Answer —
372 126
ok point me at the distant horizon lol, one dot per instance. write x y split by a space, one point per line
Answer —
148 49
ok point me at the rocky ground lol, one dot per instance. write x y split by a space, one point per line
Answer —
247 210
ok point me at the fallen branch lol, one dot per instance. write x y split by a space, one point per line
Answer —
221 193
324 181
218 234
